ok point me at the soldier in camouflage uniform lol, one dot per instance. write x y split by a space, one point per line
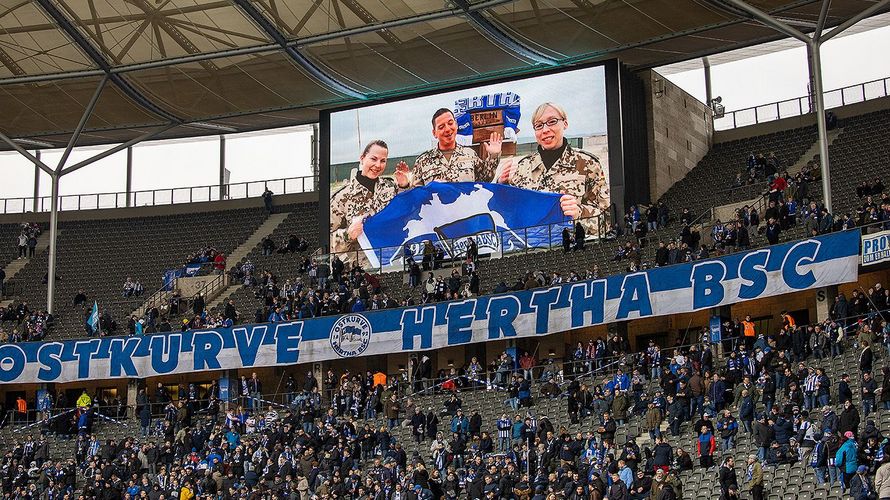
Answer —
366 194
559 168
449 161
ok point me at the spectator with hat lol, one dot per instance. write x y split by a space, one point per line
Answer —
846 460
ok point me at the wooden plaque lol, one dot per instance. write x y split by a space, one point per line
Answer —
486 122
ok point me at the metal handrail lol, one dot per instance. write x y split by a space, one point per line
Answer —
211 286
800 106
162 295
164 196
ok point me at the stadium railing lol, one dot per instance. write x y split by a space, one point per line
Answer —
164 196
799 106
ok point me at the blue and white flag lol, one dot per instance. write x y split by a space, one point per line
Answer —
499 218
93 319
170 276
508 102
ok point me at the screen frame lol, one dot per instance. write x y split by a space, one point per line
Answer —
614 127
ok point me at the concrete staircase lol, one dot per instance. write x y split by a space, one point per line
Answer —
18 264
237 255
261 232
727 212
241 253
155 298
219 301
813 152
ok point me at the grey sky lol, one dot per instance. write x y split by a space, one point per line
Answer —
405 125
781 75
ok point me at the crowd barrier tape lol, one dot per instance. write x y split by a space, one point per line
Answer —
791 267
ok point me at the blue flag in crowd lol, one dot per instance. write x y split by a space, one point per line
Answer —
93 319
495 215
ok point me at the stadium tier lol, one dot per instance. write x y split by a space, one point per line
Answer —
860 154
277 258
98 256
725 160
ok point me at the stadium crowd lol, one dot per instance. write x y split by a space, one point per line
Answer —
20 323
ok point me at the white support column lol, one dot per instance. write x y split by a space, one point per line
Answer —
129 187
815 66
824 302
53 237
36 207
222 167
315 151
132 392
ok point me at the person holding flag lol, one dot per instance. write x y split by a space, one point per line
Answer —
557 167
92 323
366 194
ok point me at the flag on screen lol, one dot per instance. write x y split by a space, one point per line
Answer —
499 218
93 319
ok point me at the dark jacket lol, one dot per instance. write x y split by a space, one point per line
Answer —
848 421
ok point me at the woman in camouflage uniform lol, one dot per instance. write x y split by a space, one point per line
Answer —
559 168
365 194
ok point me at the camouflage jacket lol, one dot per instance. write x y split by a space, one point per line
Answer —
576 172
463 166
354 200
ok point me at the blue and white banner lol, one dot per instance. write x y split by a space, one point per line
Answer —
447 214
715 327
817 262
508 102
171 275
875 248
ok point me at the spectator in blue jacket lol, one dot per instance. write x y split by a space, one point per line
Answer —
460 424
846 461
621 381
359 305
784 430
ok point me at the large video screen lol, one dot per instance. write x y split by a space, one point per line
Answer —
488 170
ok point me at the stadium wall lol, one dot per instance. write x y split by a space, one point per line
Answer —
680 129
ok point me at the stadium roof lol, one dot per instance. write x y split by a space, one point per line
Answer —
211 66
871 23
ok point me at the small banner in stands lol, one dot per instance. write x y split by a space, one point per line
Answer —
875 248
791 267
